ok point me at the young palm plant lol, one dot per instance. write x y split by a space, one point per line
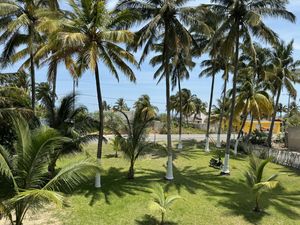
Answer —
26 184
161 202
255 180
134 143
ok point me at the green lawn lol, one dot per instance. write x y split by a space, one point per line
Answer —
207 198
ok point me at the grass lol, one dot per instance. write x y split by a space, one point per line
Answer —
207 197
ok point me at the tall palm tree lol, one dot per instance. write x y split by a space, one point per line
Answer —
89 32
211 67
285 75
18 25
180 67
242 20
27 176
162 21
145 108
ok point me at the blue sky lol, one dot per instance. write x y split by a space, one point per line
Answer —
145 83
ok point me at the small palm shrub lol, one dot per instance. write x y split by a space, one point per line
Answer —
254 177
161 201
25 182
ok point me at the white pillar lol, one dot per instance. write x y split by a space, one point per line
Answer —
98 177
218 141
180 143
169 175
207 145
225 169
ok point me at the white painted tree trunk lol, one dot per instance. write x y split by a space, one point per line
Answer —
180 146
218 141
169 175
207 145
98 176
236 146
225 169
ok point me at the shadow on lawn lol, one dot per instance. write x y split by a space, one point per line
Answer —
116 183
149 220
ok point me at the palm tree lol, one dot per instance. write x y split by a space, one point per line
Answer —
243 19
144 106
161 202
251 99
162 22
200 107
284 75
26 172
121 105
188 103
211 68
74 123
180 67
136 129
18 25
255 181
89 33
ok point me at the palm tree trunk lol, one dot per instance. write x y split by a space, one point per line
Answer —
169 175
209 113
131 170
54 78
225 170
269 140
101 120
180 115
250 129
221 115
241 129
32 75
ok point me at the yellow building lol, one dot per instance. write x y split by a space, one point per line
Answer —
265 126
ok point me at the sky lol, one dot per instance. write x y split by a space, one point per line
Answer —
112 89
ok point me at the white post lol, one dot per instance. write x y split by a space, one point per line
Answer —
169 175
180 143
98 177
207 145
225 170
218 141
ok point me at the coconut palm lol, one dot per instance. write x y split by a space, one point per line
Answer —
144 106
89 33
18 25
251 99
26 172
121 105
188 103
254 178
243 19
134 143
180 67
285 75
200 107
161 201
211 67
162 25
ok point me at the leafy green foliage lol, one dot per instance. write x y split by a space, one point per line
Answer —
27 175
161 201
254 178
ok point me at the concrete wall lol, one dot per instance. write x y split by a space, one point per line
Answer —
294 139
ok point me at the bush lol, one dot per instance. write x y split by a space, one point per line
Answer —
258 138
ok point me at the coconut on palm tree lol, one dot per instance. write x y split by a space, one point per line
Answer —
243 19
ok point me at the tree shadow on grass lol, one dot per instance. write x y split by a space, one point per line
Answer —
150 220
115 182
